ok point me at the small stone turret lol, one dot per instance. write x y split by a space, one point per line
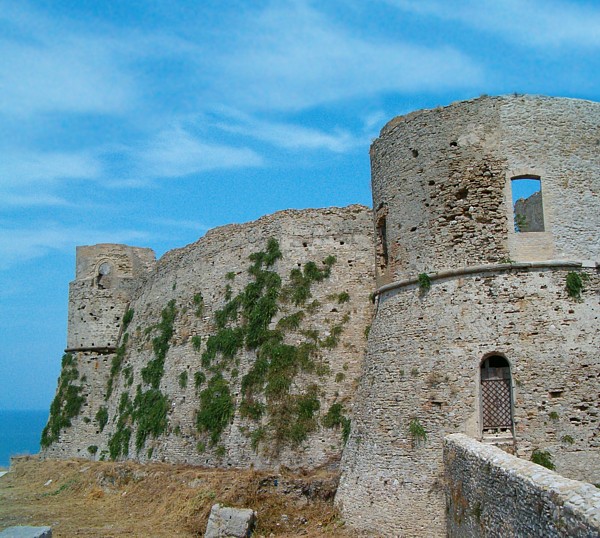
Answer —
100 294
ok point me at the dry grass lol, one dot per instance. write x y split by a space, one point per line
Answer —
128 499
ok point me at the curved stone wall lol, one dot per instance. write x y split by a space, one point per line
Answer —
199 281
442 177
442 202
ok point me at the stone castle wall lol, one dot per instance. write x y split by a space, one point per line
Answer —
443 204
456 284
491 493
339 304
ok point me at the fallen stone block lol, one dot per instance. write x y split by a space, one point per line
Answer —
26 532
225 522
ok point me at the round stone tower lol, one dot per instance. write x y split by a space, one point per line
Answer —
487 215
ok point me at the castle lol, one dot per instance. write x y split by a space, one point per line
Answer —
307 336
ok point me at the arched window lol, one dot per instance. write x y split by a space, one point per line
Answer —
103 275
496 395
528 209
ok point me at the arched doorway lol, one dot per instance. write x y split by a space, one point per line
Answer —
496 395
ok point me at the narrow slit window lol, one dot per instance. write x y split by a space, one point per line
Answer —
382 251
528 209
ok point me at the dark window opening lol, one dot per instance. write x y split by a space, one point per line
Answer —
103 275
382 250
496 395
528 210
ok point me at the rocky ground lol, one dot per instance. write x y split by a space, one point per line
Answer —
105 499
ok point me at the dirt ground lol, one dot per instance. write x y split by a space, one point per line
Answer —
105 499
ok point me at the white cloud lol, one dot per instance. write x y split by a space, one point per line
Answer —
292 57
175 152
63 75
31 200
289 135
23 168
26 243
539 23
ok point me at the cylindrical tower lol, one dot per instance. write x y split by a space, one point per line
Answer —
487 318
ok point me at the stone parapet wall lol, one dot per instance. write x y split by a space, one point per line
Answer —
493 494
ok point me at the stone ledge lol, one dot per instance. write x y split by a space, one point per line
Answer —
490 268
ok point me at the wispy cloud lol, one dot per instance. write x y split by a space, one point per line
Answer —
176 152
26 243
293 57
289 135
22 168
32 200
539 23
67 74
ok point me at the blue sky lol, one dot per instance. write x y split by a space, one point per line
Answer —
149 122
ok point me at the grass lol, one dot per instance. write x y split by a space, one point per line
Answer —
163 500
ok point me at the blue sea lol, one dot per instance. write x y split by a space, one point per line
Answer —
20 433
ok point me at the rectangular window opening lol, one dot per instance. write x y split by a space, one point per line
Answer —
528 210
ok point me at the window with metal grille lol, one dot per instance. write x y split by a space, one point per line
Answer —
496 395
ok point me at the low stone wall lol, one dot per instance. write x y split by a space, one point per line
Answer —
491 493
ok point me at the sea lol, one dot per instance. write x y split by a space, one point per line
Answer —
20 433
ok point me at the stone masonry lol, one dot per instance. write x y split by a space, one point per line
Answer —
476 329
206 269
491 493
443 212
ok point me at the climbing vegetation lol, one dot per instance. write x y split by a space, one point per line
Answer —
66 404
245 323
335 418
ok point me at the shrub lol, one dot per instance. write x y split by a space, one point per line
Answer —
343 297
150 414
574 284
334 418
216 408
199 304
417 432
102 417
92 449
543 458
196 342
127 318
424 282
183 379
567 439
199 378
